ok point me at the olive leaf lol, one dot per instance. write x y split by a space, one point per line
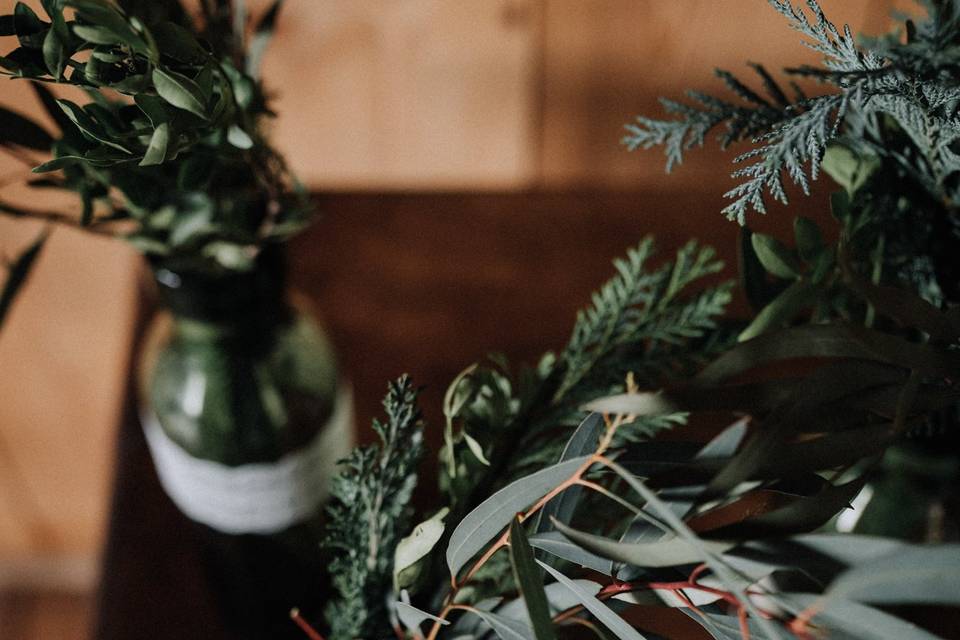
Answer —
180 91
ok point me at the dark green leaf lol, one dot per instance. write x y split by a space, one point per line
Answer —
19 130
96 35
88 125
827 341
104 14
180 91
54 53
30 29
178 43
784 308
529 581
157 150
808 237
775 257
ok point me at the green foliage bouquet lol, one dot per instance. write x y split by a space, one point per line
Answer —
169 150
563 510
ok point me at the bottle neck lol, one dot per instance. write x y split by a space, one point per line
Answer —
204 302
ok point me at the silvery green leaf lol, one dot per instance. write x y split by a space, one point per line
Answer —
412 618
640 404
418 544
858 620
909 575
559 597
617 625
480 526
505 628
553 542
726 443
724 627
584 440
668 552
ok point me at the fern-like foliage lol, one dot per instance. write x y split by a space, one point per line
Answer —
914 83
368 515
643 308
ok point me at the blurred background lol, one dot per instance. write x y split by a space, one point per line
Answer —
466 162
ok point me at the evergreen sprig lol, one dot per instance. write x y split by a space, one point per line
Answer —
792 135
368 515
643 308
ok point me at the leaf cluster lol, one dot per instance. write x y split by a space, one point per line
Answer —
171 139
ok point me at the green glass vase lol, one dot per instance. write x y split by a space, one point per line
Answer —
245 417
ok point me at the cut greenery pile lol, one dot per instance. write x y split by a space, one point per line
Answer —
561 506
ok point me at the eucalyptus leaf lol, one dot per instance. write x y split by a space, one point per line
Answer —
911 575
585 440
555 543
482 524
529 581
505 628
412 618
858 620
668 552
617 625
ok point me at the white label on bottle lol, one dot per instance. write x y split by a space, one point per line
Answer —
259 498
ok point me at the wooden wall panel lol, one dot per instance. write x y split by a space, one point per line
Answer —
606 61
413 94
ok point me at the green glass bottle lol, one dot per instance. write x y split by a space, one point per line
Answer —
245 419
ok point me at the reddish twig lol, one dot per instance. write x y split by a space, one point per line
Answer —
310 632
